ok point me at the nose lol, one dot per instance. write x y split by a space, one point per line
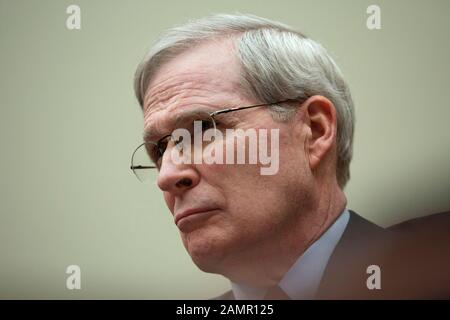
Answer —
176 178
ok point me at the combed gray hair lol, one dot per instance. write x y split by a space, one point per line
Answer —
277 63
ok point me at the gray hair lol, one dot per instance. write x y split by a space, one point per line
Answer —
277 63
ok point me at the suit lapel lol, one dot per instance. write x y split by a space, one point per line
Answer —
345 275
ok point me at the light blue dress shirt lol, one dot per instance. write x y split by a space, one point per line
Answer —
303 279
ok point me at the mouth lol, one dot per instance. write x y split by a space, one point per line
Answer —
191 212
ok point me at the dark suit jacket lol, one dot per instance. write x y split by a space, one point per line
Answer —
413 256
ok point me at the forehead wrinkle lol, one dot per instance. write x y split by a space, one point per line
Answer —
165 89
172 89
198 97
178 93
175 121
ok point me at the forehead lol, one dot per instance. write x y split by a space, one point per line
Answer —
208 65
206 76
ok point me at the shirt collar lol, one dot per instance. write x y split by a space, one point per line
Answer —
303 278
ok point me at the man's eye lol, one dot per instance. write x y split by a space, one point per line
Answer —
162 146
156 151
207 124
178 141
153 153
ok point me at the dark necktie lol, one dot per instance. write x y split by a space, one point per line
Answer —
276 293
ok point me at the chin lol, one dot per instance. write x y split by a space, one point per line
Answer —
207 250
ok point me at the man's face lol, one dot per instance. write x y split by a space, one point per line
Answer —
241 210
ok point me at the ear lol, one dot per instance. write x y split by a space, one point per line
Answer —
320 116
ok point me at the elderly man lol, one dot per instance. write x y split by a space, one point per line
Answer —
286 234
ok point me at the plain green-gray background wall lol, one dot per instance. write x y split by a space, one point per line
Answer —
69 122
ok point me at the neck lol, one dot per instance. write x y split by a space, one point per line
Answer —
268 263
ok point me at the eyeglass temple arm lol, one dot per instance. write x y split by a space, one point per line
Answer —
142 167
248 107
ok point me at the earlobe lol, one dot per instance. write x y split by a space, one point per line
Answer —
321 114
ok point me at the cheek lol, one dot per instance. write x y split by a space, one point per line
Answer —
249 196
170 201
232 182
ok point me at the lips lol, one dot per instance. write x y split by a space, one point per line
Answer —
191 212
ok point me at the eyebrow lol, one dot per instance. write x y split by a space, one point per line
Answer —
181 117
